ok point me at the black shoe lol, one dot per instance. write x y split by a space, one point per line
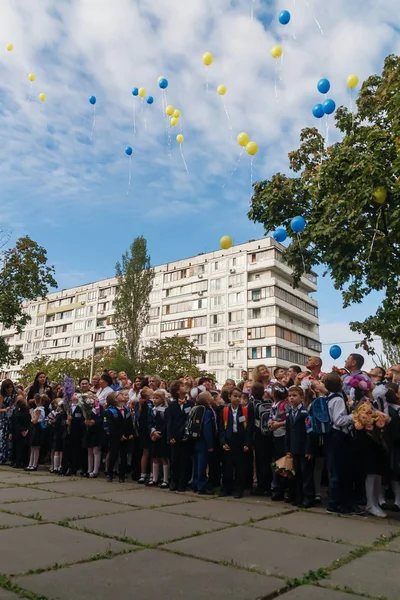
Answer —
395 508
181 488
173 487
277 497
257 492
224 494
206 492
356 510
110 478
306 504
385 506
318 499
121 480
333 510
70 473
238 495
163 485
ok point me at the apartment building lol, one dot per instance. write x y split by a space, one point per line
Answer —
237 305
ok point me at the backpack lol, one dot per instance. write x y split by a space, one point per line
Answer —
194 425
226 416
393 428
264 411
319 420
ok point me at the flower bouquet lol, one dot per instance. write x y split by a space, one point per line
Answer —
284 467
88 404
69 390
367 417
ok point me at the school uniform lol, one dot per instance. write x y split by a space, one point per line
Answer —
60 431
176 416
142 417
74 441
263 445
94 434
118 423
234 433
20 423
37 428
299 443
157 422
202 446
214 458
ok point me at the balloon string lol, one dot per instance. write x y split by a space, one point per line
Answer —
227 116
351 110
315 19
251 171
275 81
94 122
130 176
134 115
301 252
327 132
183 158
236 166
206 80
30 92
376 231
280 68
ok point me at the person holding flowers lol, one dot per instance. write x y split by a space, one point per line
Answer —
94 434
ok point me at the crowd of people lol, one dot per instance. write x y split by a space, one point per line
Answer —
340 429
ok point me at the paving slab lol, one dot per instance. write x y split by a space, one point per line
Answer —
41 546
85 487
26 479
59 509
151 573
7 520
147 526
5 595
223 511
145 497
268 551
309 592
22 494
331 528
374 574
394 545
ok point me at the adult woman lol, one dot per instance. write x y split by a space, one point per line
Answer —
261 375
105 389
7 397
40 386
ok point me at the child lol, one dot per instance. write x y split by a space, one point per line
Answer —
37 425
50 421
158 436
59 436
277 425
393 399
262 439
114 428
75 423
234 439
94 438
143 410
20 424
203 446
176 417
300 446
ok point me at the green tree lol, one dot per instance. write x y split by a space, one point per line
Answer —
172 357
337 191
132 305
24 275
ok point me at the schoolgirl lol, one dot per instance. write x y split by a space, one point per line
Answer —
143 410
36 435
158 436
94 438
59 437
277 425
203 445
20 426
50 421
127 433
75 424
262 439
176 416
393 399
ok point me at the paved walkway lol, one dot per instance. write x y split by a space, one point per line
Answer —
88 539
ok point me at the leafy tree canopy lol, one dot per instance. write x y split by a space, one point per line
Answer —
172 357
337 190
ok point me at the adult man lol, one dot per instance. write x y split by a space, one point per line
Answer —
84 385
229 383
279 374
314 365
245 375
377 375
95 384
293 371
115 383
354 363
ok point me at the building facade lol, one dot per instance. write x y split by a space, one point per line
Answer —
237 305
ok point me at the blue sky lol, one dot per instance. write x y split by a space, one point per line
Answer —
70 193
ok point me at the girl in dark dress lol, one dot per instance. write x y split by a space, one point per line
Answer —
158 435
20 426
37 426
94 438
8 395
143 410
59 436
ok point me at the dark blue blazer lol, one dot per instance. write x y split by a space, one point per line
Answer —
176 419
297 440
226 434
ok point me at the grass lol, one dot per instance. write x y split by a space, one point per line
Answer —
9 586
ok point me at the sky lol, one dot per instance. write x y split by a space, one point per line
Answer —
70 191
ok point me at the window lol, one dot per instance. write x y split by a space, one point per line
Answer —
103 306
88 338
236 316
217 301
216 337
87 353
176 275
152 329
64 315
176 325
264 312
89 324
201 303
199 321
100 337
104 293
259 352
79 325
101 322
217 319
216 285
236 280
36 346
215 266
297 338
37 333
42 308
235 356
295 301
236 335
155 296
154 312
254 258
81 297
80 312
216 357
54 304
92 295
76 340
257 333
199 269
40 320
200 339
66 301
90 310
237 298
110 334
171 309
291 356
260 293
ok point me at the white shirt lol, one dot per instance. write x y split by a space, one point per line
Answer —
340 418
102 395
42 414
234 419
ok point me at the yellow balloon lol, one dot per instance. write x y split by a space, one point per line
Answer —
208 58
180 138
161 77
174 121
31 77
380 195
276 51
221 89
226 242
352 81
169 110
243 139
10 47
142 92
42 97
252 148
177 113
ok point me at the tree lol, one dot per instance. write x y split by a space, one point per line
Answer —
24 275
172 357
132 305
339 191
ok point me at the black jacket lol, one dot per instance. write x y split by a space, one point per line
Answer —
158 420
176 418
226 427
76 428
20 421
297 440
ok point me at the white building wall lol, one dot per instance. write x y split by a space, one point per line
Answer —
237 305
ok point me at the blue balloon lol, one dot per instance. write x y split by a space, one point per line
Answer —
298 224
329 106
128 151
318 111
135 92
150 100
163 83
92 99
335 352
284 17
323 86
280 234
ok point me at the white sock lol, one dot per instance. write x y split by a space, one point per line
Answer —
36 452
379 492
56 463
370 491
396 490
156 471
52 460
97 459
90 460
165 469
143 475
